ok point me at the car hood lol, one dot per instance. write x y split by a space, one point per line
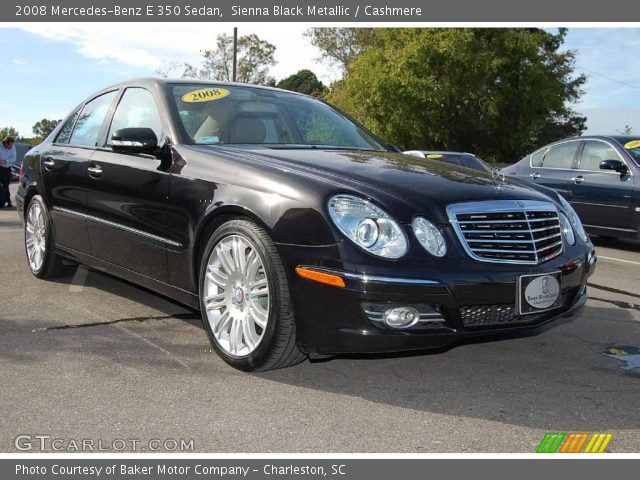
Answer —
421 182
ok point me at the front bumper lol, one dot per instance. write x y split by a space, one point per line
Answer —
331 320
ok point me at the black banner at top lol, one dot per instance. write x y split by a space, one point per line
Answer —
364 11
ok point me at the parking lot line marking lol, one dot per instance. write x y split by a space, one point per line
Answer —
618 260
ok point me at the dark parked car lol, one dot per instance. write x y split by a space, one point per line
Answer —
293 229
15 172
598 175
468 160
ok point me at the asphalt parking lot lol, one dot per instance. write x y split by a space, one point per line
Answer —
90 357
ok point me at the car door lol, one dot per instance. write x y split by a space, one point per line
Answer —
555 165
128 194
64 171
602 198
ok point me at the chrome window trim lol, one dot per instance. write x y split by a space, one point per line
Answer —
119 226
630 174
491 206
548 147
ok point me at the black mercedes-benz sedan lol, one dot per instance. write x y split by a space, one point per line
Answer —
598 175
295 231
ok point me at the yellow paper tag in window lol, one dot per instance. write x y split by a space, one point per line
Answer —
632 144
434 155
208 94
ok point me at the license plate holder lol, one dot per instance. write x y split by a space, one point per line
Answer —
538 293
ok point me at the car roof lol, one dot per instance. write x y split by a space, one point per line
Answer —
163 82
618 138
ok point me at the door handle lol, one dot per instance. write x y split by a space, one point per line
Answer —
535 176
48 164
95 171
578 179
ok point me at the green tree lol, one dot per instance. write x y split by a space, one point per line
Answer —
304 81
254 58
9 132
499 93
341 45
44 127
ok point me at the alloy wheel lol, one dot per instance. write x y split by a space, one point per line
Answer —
35 236
236 295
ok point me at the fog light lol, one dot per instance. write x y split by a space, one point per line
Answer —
401 317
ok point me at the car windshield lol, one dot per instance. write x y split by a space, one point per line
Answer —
213 115
633 149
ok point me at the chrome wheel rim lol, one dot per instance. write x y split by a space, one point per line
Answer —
236 295
35 237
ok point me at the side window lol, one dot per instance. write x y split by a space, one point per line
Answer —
136 109
91 119
594 152
561 156
65 132
536 158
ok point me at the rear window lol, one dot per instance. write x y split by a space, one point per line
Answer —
561 156
536 158
65 132
90 122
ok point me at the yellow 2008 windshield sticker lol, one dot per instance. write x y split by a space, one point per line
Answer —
434 155
631 145
208 94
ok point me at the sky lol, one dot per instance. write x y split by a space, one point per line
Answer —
49 68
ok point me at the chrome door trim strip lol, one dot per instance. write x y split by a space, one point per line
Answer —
598 204
363 277
119 226
608 228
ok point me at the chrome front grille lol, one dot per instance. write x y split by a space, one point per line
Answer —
508 231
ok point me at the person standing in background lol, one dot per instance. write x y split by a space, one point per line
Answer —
7 158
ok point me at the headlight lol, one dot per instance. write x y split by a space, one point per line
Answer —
567 231
368 226
429 237
573 218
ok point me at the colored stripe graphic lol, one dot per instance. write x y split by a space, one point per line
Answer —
598 443
581 443
551 442
574 442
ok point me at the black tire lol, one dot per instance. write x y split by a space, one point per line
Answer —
51 263
277 347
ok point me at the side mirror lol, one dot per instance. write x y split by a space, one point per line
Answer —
615 165
134 140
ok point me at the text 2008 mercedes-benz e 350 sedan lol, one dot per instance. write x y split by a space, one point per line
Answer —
293 229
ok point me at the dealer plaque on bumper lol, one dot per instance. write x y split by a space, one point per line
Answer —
538 293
